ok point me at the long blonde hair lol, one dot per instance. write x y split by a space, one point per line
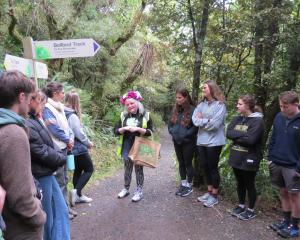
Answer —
73 101
215 91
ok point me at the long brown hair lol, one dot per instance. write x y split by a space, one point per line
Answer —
215 91
72 100
187 105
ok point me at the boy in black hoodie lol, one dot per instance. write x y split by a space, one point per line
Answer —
284 162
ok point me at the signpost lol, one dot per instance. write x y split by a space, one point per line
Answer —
25 66
71 48
53 49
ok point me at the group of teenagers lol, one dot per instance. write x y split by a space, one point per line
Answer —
39 129
201 129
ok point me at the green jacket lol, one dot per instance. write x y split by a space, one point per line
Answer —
9 117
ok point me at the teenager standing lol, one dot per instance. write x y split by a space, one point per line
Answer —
184 135
57 124
246 132
83 162
209 116
46 158
284 162
22 211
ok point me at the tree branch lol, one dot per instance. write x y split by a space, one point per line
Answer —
56 33
77 13
14 22
130 32
193 23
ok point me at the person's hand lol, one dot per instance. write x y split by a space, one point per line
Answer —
134 129
123 129
70 145
269 162
91 145
199 115
2 198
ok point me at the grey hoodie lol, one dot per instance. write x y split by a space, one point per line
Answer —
211 126
81 139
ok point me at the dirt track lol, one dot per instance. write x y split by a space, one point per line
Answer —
161 214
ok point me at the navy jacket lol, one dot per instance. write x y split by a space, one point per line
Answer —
284 145
46 157
246 134
183 134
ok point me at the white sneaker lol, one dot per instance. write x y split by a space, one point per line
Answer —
73 197
84 199
211 201
138 195
203 198
123 193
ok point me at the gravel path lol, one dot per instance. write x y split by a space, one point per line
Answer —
161 214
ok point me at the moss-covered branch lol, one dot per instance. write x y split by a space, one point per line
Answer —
13 23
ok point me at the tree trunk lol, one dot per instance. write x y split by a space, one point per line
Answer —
259 90
199 38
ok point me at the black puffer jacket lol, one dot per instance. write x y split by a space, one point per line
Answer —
183 134
46 157
246 134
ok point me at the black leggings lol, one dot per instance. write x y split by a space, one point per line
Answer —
83 171
185 155
245 182
209 160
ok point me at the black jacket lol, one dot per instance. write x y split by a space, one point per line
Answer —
284 145
46 157
246 134
135 120
183 134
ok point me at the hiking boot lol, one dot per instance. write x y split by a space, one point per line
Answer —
211 201
247 215
203 198
84 199
186 191
179 191
277 226
137 196
237 211
288 232
123 193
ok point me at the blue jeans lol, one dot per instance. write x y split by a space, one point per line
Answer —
57 226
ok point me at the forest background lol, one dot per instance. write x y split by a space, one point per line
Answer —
246 46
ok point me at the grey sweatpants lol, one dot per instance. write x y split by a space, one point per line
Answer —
139 174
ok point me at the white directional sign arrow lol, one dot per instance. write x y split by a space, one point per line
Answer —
70 48
25 66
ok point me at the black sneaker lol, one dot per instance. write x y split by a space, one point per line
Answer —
277 226
247 215
179 191
186 191
288 232
237 211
